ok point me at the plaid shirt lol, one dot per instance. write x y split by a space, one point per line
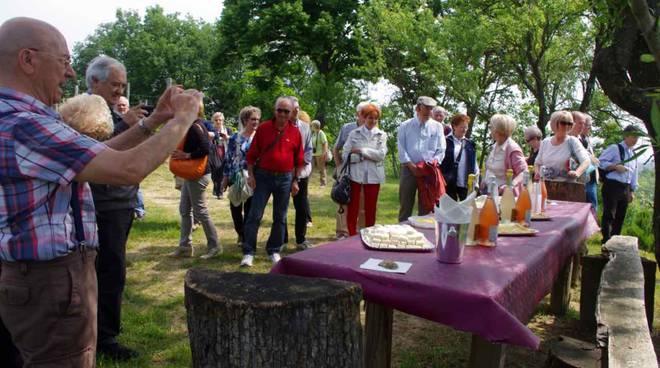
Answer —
39 157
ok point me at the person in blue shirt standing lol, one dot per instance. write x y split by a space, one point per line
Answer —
619 183
419 140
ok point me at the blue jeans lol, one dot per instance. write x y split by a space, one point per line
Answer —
139 208
591 188
280 187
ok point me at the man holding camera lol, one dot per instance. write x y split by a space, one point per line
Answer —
115 209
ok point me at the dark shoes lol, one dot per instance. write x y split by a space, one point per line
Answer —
116 352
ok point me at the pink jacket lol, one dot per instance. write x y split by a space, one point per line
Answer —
514 159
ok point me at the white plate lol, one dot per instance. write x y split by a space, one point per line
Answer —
427 247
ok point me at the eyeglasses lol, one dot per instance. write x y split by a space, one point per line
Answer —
283 111
566 123
531 139
66 60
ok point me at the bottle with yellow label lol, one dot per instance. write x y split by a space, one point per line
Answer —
488 218
507 201
474 217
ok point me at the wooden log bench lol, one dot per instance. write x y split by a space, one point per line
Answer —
264 320
623 337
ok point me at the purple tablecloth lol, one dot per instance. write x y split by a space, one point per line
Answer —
492 293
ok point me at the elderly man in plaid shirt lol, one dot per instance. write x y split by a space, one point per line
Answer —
48 239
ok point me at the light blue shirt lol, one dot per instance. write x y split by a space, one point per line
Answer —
611 156
345 130
421 142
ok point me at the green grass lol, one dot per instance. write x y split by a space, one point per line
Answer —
154 316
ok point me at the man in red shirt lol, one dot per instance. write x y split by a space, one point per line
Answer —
276 151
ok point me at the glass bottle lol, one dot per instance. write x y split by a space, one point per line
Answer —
508 201
474 217
544 190
488 218
524 203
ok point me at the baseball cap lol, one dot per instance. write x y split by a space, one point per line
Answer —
427 101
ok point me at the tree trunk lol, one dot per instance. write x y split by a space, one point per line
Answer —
256 320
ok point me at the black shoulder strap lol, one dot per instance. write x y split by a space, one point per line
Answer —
622 154
270 146
77 214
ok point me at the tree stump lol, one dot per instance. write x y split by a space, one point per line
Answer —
263 320
567 352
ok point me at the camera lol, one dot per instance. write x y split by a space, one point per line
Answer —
148 108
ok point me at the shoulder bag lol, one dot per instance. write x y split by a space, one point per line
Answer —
190 169
341 189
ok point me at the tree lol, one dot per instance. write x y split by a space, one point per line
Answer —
543 43
626 79
283 39
153 48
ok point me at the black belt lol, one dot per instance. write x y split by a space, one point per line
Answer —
274 173
616 182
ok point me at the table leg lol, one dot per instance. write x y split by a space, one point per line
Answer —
378 336
485 354
561 290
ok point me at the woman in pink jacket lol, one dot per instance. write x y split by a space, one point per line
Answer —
505 153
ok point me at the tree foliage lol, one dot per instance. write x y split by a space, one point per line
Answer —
153 48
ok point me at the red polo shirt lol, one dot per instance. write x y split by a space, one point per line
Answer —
284 156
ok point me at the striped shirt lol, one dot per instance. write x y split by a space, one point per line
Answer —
39 157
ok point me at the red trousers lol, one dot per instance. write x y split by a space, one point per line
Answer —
370 204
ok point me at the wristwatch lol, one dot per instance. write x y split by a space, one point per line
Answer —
145 129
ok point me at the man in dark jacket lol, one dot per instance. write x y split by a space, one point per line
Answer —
115 207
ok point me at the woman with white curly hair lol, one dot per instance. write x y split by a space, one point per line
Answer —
506 153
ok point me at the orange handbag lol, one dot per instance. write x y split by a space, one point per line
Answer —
190 169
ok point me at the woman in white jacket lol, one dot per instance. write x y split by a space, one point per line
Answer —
367 147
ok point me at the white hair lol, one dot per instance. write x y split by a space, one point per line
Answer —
439 109
503 123
361 106
89 115
99 68
533 132
218 114
294 101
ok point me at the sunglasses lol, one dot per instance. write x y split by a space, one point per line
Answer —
283 111
566 123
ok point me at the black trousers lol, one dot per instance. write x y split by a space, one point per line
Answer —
615 205
238 215
303 212
10 357
113 229
457 193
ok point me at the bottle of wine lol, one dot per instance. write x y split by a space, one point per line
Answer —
508 201
524 203
488 218
474 217
544 190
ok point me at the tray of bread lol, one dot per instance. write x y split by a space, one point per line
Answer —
396 238
423 222
515 229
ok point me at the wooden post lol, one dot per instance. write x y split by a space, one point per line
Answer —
577 264
261 320
649 289
561 290
592 268
622 325
485 354
377 336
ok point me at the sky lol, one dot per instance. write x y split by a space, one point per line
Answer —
77 19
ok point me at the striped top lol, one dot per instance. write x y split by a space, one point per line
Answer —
39 157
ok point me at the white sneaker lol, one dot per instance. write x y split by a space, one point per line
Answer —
275 257
247 260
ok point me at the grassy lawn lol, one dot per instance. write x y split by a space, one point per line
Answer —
154 316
